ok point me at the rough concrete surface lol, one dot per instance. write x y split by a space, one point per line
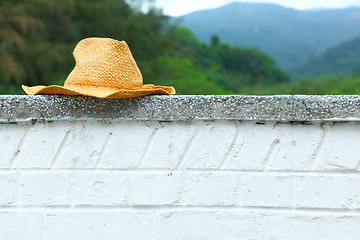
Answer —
202 107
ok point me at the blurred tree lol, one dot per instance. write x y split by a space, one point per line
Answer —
215 40
183 75
18 28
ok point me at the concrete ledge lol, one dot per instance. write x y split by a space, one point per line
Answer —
286 108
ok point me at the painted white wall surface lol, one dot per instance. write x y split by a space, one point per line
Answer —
219 179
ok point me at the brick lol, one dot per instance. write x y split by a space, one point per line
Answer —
130 225
297 146
209 225
266 191
11 135
339 227
210 189
46 189
210 145
251 148
41 144
84 145
322 192
21 225
353 199
312 226
98 225
283 147
169 144
339 150
78 189
294 227
99 189
155 189
8 189
126 144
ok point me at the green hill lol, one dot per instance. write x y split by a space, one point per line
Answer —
343 59
290 36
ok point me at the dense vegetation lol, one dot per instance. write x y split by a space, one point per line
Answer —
194 67
288 35
330 84
38 36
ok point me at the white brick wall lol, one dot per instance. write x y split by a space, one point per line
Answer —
128 179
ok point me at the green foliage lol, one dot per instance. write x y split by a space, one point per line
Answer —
18 27
241 66
38 36
37 40
332 85
230 67
349 85
215 40
184 76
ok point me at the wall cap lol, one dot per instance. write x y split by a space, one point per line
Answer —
280 108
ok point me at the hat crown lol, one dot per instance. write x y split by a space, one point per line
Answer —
104 62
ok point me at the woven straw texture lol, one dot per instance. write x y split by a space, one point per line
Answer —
105 68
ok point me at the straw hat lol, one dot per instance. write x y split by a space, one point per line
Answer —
105 68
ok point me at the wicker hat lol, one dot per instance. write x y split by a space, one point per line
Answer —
105 68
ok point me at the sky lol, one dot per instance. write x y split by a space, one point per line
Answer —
181 7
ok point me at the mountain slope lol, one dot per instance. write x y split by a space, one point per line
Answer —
340 60
290 36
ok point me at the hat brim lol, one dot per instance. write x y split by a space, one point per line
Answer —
99 92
